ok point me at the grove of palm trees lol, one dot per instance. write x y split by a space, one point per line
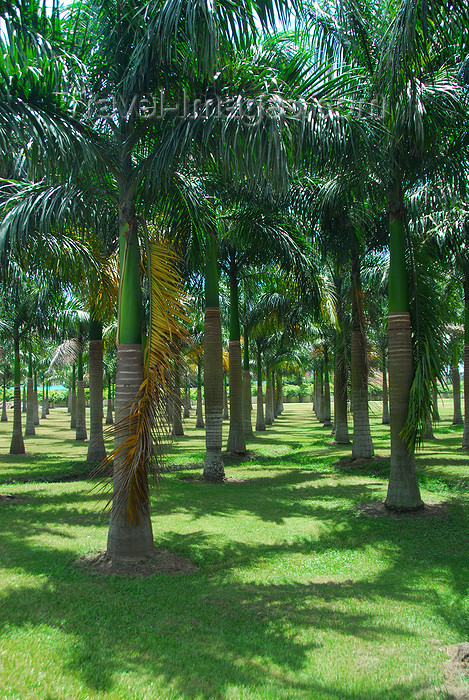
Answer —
234 347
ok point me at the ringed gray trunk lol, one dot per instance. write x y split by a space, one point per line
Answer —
403 489
327 406
457 415
247 406
269 413
236 440
17 442
428 433
25 402
80 431
36 407
260 421
187 403
128 541
29 429
199 411
213 385
109 418
279 394
176 407
385 419
73 413
69 400
341 435
362 445
465 437
226 415
96 448
44 409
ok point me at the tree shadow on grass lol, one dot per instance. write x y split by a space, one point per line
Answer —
205 633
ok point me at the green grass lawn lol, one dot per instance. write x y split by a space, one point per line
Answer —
298 594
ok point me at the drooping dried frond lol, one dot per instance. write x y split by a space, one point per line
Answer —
140 433
65 354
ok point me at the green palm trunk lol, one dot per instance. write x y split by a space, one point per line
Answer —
403 489
17 442
128 540
213 368
236 439
96 449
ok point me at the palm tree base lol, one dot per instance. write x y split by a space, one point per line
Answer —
213 466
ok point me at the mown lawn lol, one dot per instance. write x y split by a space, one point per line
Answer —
298 594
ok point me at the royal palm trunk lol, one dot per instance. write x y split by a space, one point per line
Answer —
465 437
226 415
385 419
96 448
44 405
73 412
269 413
25 402
456 380
341 435
260 420
29 429
247 399
176 405
279 393
4 402
80 431
362 445
403 490
109 418
17 442
128 539
213 369
199 410
36 401
236 440
327 391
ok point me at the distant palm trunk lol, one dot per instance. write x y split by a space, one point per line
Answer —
36 401
279 394
199 410
236 439
96 448
260 421
457 415
73 412
213 369
327 391
341 435
29 429
17 442
385 419
176 405
4 403
362 446
269 414
80 431
226 415
109 418
465 437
